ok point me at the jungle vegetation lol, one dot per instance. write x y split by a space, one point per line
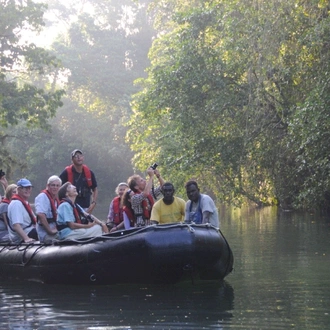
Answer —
233 93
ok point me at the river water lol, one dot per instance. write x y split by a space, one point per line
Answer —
280 281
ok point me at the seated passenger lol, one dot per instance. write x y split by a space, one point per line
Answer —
144 195
68 220
10 191
200 208
22 221
115 216
169 209
46 204
128 214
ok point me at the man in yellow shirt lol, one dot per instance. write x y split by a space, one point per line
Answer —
169 209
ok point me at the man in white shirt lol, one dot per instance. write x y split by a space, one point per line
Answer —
22 220
46 204
200 208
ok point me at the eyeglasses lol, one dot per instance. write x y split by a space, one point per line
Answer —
53 185
78 156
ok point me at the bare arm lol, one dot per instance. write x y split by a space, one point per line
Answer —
148 186
120 226
206 216
95 193
159 177
75 225
95 221
19 230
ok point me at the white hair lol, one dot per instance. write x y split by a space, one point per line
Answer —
54 178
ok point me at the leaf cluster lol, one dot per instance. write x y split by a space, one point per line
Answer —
227 81
20 99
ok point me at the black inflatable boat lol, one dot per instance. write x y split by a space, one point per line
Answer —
154 254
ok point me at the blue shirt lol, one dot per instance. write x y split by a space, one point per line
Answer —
65 214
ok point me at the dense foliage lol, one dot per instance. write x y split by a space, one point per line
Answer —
102 50
25 73
237 97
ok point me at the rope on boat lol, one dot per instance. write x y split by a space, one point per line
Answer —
33 254
124 233
192 230
24 248
113 236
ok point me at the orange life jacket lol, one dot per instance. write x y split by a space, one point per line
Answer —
86 171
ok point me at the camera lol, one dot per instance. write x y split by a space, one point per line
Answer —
2 173
89 218
154 166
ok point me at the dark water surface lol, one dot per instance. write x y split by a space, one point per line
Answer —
281 280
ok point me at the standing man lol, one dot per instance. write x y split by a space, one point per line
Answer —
200 208
83 179
46 204
143 195
169 209
22 221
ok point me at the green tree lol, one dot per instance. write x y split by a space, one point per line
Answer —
226 82
103 50
21 98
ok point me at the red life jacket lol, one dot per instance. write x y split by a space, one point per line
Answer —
117 211
146 210
27 207
86 171
130 215
75 213
52 203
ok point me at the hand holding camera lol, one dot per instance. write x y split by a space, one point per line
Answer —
155 171
154 166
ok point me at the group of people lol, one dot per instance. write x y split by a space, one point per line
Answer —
137 204
63 210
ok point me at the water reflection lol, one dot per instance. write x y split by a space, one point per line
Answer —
280 281
281 269
116 307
